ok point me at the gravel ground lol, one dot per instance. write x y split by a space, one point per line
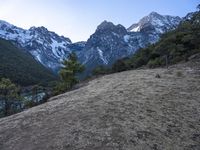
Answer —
131 110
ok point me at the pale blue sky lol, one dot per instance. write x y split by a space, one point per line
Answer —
78 19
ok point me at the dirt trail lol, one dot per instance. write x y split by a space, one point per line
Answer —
131 110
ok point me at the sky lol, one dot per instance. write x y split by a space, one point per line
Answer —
78 19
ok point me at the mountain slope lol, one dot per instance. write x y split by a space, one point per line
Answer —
105 46
45 46
19 66
109 43
128 110
175 46
112 42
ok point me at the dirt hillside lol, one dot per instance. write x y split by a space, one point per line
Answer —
131 110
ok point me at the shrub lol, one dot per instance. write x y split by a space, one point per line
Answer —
120 65
155 63
100 70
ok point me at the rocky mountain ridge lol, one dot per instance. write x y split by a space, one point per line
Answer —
109 42
47 47
112 42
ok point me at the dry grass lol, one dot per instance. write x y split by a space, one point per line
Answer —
124 111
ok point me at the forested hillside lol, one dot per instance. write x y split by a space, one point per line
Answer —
21 67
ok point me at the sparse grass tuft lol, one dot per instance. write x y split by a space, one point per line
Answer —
179 74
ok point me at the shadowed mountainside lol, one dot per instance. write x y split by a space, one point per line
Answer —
20 67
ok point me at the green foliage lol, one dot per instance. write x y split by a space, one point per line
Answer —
21 68
9 92
30 104
60 88
100 70
71 68
153 63
140 58
8 89
120 65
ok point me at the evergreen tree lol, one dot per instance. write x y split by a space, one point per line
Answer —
71 68
8 93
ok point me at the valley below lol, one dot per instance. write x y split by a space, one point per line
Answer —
154 109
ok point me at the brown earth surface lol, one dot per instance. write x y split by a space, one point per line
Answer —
132 110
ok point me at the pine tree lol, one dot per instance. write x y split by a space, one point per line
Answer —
71 68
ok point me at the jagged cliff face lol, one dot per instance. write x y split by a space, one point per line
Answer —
106 45
109 43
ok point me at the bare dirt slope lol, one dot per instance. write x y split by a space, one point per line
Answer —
131 110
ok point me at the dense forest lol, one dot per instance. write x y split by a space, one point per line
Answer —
21 68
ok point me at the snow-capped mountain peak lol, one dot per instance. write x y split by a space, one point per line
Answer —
4 24
155 22
109 43
46 46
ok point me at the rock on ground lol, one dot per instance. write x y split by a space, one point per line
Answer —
131 110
